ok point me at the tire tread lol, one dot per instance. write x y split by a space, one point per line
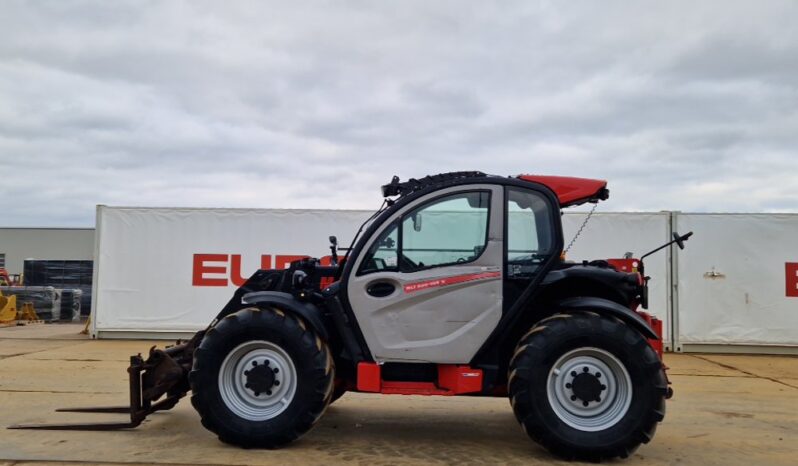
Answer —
293 328
547 333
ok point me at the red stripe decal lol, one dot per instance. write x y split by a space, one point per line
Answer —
446 281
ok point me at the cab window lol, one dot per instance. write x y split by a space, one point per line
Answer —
383 255
529 232
449 230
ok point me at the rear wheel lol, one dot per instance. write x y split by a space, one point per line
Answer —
261 378
339 390
587 386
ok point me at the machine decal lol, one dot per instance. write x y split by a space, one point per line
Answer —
446 281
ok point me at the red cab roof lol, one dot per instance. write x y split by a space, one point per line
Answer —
572 191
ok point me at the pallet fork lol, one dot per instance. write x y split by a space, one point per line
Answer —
164 372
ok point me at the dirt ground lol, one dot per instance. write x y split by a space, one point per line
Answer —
728 409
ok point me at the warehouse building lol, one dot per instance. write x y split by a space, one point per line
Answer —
18 244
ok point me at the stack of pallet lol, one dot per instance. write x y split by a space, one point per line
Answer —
64 275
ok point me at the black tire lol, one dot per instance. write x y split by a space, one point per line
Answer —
339 390
552 341
313 367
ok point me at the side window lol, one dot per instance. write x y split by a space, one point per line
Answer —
448 230
529 232
383 255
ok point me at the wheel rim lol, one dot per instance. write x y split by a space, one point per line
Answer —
257 380
589 389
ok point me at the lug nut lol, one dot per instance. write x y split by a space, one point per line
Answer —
257 393
598 398
603 387
254 363
567 385
573 397
276 382
266 362
573 373
598 375
585 403
246 372
268 392
276 370
585 369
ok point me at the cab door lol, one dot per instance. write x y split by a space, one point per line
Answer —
428 286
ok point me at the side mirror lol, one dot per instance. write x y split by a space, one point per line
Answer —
333 241
679 240
479 201
417 222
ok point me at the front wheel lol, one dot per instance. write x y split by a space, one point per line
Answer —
261 378
587 387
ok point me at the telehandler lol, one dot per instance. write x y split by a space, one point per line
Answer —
456 286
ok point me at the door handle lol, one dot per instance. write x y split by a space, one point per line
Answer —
380 289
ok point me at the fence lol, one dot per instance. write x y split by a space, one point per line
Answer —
166 272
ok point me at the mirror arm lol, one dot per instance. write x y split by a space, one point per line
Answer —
333 250
655 250
675 240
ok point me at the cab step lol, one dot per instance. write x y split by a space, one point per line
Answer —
453 379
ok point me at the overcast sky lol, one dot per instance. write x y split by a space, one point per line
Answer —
688 106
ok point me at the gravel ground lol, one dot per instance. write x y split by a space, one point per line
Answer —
728 409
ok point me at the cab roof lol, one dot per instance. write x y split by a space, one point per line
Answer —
570 191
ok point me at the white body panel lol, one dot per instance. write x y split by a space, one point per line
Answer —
434 325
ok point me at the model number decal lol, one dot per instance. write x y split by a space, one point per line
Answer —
427 284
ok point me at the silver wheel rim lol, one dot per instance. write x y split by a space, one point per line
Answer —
242 400
615 393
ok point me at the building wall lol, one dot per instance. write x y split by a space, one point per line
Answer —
19 244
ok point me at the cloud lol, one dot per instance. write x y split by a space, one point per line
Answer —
680 106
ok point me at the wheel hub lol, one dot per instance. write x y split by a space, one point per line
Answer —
587 386
261 378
